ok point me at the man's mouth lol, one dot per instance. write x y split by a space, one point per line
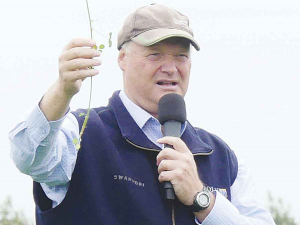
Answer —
167 83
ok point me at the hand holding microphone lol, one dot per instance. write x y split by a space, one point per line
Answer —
171 115
176 164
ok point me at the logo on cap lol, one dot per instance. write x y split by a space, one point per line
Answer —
181 23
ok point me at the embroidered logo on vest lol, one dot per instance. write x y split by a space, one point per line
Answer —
129 179
223 191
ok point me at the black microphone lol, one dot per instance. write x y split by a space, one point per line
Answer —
171 115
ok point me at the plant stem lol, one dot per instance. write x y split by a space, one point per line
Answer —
87 5
88 112
91 88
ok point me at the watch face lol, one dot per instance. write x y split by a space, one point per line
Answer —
203 199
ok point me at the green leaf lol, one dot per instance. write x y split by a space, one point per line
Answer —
101 46
75 141
82 114
95 47
100 50
110 35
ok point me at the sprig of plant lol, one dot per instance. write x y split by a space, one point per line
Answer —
76 142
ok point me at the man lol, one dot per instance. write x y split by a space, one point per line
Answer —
116 175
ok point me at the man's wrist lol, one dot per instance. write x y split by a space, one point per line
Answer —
201 215
201 200
55 103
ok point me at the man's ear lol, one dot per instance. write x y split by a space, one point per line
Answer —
121 59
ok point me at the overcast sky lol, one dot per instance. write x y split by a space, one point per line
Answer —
244 83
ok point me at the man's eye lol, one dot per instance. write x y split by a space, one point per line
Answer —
154 56
182 57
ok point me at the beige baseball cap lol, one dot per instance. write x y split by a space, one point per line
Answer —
153 23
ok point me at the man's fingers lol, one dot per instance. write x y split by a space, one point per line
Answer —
81 74
167 165
176 142
79 64
77 52
167 153
174 176
165 176
80 42
75 62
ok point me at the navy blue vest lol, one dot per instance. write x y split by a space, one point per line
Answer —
115 180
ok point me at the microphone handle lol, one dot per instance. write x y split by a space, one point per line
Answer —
169 191
171 128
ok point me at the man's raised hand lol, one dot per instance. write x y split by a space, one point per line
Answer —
75 64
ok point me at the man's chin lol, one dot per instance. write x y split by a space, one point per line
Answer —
171 91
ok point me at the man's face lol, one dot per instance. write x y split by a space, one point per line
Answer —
151 72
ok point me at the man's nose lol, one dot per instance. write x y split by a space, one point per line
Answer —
169 67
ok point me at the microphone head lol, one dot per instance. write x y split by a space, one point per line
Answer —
171 107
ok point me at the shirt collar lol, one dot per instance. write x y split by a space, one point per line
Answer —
139 115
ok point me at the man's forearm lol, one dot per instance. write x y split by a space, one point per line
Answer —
55 103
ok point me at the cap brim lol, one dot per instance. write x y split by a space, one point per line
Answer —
151 37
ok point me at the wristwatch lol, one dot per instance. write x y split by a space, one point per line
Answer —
201 200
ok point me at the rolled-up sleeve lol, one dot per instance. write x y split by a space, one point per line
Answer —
45 150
